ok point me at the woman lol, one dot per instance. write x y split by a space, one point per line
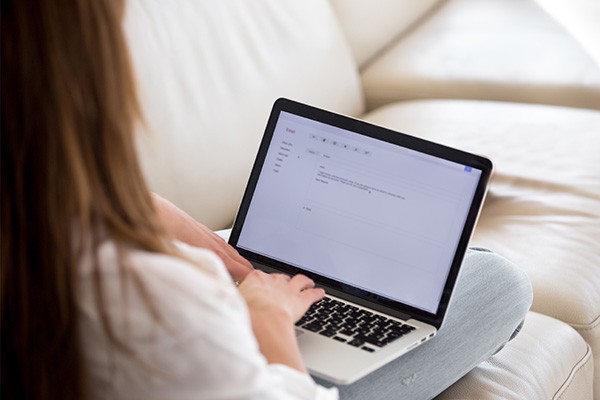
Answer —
98 301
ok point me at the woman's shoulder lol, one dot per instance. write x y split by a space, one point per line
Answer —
185 263
186 281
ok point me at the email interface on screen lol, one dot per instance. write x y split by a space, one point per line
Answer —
364 212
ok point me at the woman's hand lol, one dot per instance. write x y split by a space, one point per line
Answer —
279 294
275 303
186 229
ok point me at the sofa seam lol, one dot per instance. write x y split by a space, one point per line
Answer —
578 367
587 327
401 35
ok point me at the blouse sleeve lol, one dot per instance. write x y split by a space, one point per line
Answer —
203 346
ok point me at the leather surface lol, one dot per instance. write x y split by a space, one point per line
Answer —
208 73
543 207
547 360
370 26
509 50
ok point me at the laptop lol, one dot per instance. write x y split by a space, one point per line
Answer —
381 220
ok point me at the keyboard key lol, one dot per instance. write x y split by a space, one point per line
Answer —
356 343
327 332
313 327
370 350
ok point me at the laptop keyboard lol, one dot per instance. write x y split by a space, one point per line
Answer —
352 325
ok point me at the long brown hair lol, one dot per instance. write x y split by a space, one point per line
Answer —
68 166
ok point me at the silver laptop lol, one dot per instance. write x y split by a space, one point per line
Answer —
381 220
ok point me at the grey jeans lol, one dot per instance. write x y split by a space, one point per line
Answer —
487 309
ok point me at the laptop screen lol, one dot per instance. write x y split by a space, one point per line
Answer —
358 210
375 216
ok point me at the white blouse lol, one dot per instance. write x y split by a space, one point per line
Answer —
203 348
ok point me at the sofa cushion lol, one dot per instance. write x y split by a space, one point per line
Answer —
372 25
543 207
580 18
508 50
547 360
208 73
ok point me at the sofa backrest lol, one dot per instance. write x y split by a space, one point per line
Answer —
371 25
208 73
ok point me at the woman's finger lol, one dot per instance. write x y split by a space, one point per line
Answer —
281 277
302 282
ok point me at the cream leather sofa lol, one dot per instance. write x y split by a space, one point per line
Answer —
504 78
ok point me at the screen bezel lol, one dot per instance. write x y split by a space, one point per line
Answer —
345 291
